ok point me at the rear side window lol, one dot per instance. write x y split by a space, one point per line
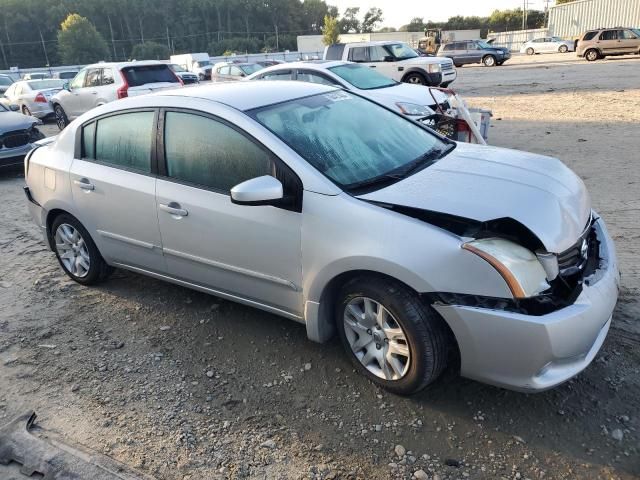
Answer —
609 35
144 74
207 152
124 140
335 52
107 76
589 35
358 54
280 75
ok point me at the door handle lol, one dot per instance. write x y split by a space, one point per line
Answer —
84 184
372 66
94 93
174 209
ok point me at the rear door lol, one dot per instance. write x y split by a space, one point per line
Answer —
143 79
114 187
608 42
253 252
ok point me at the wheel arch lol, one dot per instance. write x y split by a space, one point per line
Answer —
420 71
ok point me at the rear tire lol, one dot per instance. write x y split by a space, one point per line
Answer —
402 349
489 61
61 117
563 49
76 252
26 111
530 51
592 55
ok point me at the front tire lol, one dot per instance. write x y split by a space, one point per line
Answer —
391 337
591 55
530 51
415 79
76 252
489 61
26 111
563 49
61 117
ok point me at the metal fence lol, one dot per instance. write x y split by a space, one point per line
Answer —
570 20
513 40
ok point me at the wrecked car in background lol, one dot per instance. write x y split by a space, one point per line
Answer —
319 205
18 133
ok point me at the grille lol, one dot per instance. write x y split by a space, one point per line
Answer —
574 258
14 139
447 66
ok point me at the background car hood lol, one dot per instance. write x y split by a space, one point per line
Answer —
487 183
404 92
15 121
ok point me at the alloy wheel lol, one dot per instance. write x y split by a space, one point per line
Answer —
376 338
61 121
592 55
72 250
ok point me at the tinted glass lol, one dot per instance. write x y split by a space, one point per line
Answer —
347 138
609 35
5 81
93 78
636 31
141 75
88 141
177 68
448 47
67 75
358 54
589 35
279 75
249 69
125 140
312 77
206 152
44 84
362 77
78 80
107 76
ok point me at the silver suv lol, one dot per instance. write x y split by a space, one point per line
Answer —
597 44
316 204
103 82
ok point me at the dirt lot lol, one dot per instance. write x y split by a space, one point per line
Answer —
179 384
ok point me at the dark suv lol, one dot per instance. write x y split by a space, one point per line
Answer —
595 44
474 51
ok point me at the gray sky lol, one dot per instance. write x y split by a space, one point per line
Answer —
399 12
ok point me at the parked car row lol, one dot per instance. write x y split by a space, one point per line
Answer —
318 204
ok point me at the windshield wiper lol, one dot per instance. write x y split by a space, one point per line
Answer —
420 163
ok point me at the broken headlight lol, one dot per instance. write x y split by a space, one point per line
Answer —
519 267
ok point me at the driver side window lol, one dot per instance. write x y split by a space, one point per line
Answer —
378 53
78 80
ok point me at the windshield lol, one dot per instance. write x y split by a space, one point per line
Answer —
483 44
362 77
249 69
42 84
352 141
401 51
176 68
5 81
203 63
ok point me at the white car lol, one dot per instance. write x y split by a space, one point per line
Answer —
412 100
547 45
102 83
396 60
32 97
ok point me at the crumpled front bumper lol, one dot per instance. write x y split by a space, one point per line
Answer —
535 353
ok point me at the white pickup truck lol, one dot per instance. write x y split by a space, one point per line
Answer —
396 60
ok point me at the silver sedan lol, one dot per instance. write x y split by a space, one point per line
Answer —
319 205
32 97
547 45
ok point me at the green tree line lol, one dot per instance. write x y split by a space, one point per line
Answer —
29 28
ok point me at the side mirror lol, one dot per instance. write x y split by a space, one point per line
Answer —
265 190
66 86
389 58
14 108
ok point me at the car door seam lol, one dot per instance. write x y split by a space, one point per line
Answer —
122 238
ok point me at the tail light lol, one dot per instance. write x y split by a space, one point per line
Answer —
40 98
464 131
123 91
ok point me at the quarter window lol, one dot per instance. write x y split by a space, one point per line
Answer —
207 152
125 140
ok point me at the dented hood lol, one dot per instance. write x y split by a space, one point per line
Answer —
486 183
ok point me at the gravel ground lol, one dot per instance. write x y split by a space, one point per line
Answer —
179 384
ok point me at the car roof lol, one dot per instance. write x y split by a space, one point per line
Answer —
125 64
308 64
249 95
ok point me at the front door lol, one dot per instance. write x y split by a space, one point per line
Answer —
250 252
114 190
72 100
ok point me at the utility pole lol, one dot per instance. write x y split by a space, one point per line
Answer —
113 42
168 39
46 57
277 43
